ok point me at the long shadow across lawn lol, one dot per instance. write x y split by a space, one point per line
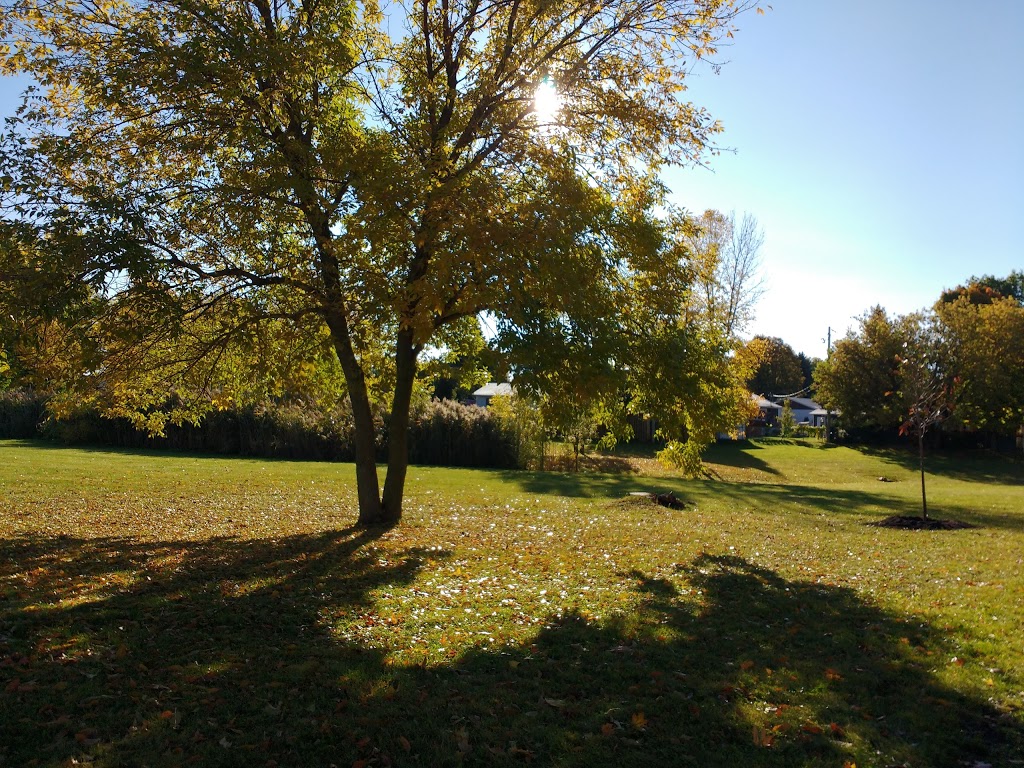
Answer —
741 454
980 466
123 651
586 485
814 499
174 655
841 502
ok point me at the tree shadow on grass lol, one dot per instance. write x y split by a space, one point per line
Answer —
591 462
220 654
839 503
740 454
131 653
980 466
589 486
810 499
746 669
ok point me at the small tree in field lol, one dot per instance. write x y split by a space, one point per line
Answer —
928 387
787 424
587 424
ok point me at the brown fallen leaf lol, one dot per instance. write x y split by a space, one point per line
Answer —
762 738
405 743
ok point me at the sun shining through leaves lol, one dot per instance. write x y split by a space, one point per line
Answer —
547 103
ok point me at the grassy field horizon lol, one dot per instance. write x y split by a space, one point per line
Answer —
162 609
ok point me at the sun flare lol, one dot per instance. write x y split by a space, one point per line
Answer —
546 102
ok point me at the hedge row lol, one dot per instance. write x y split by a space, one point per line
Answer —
442 432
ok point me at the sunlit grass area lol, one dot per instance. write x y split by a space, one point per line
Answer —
166 609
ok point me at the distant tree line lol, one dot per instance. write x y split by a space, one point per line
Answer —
773 368
962 362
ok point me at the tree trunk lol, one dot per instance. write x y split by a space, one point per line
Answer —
398 429
367 484
371 512
924 499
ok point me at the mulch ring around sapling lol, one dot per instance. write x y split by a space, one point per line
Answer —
918 523
649 498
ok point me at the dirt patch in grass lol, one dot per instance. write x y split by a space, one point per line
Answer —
600 463
915 523
652 499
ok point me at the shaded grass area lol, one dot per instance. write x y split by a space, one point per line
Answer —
977 466
238 621
191 664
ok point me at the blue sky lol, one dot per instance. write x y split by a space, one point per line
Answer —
880 143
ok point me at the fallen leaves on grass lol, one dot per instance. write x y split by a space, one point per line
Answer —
540 618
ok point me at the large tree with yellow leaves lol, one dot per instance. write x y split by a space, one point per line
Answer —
380 178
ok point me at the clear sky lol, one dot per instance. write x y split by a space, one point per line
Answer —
880 143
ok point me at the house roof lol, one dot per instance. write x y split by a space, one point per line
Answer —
761 402
492 389
800 403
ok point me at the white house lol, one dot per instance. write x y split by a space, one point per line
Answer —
803 408
482 397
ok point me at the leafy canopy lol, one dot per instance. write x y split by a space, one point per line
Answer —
371 180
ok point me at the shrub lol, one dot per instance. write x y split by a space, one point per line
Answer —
21 413
522 428
450 434
442 432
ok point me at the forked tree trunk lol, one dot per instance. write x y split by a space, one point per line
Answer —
371 510
374 509
924 498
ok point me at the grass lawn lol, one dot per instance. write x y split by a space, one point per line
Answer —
161 610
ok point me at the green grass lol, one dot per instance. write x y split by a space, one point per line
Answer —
164 610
